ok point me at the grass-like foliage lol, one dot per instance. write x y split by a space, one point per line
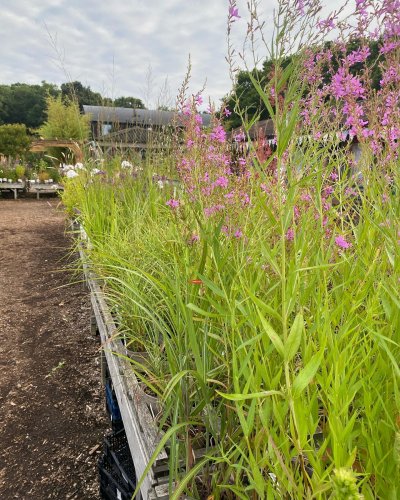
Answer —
264 288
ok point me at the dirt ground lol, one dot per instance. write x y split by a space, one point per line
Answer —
52 411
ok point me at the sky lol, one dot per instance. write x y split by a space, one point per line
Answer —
120 47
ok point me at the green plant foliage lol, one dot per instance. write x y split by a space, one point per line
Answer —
264 291
64 121
23 103
14 140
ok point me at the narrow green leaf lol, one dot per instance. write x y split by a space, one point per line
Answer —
293 341
189 476
253 395
201 312
264 96
307 373
273 336
157 451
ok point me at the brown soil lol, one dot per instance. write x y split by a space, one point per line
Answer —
52 413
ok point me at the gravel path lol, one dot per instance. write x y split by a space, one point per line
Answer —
52 416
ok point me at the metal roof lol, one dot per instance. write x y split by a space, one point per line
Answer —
264 128
134 116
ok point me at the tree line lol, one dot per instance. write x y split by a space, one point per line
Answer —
27 104
244 96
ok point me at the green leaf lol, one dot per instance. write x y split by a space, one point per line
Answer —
201 312
253 395
263 95
189 476
157 451
307 373
210 284
273 336
293 341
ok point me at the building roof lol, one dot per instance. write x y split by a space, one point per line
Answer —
264 128
134 116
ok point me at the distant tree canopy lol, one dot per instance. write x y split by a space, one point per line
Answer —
245 97
75 91
14 140
129 102
26 104
23 103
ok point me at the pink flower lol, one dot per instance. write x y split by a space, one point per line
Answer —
198 100
218 134
240 137
173 203
233 10
226 112
341 242
358 56
229 196
194 238
290 234
346 85
326 25
238 234
222 181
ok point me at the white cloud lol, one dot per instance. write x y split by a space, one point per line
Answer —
109 45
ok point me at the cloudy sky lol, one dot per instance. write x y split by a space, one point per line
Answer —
110 45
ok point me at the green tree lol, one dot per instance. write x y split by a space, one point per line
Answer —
129 102
245 97
75 91
14 140
23 103
64 120
4 99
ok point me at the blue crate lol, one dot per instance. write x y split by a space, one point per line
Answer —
112 403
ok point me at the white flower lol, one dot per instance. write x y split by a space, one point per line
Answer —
66 168
71 174
95 171
160 184
126 164
79 166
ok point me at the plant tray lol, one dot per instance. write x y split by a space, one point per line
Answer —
112 487
117 450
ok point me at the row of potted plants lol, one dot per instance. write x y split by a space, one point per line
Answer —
263 293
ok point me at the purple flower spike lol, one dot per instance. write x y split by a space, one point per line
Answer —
173 203
341 242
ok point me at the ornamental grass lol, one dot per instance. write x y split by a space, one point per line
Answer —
264 287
